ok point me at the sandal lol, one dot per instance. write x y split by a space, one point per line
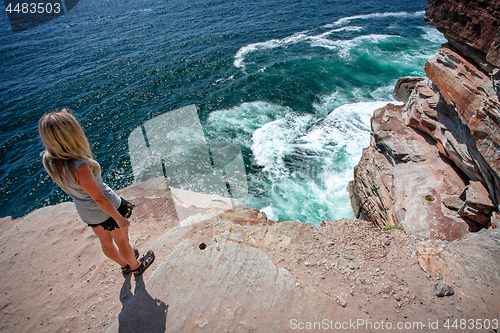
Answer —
145 262
127 269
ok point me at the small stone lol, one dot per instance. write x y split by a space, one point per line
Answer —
341 301
444 290
236 236
386 289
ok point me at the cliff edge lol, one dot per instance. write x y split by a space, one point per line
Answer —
433 165
223 267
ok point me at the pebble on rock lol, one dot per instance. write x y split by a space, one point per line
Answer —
341 301
444 290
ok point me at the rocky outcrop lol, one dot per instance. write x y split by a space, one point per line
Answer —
439 155
401 180
404 88
474 26
232 271
473 104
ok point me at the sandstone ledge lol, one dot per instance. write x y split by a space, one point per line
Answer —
231 271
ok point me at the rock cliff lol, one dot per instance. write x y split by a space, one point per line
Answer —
434 164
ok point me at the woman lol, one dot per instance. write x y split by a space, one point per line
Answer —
69 161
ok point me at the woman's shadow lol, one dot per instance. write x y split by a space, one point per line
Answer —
144 314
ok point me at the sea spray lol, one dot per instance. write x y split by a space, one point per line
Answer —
301 163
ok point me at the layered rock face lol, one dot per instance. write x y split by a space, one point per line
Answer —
434 164
470 25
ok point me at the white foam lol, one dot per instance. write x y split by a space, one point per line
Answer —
269 211
349 28
327 152
273 141
243 119
270 44
385 92
315 41
230 78
324 107
345 46
348 19
321 39
302 155
345 128
433 35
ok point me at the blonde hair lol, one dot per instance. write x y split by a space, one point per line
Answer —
64 142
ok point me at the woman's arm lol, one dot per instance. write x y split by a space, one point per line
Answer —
89 184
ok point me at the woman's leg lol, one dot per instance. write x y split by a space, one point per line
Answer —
120 237
108 246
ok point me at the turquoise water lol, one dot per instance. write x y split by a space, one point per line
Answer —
294 84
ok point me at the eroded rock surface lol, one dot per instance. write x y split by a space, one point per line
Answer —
401 180
469 94
235 271
457 262
404 88
473 25
446 139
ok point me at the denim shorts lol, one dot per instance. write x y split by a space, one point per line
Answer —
110 224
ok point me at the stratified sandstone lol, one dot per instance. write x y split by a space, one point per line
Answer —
473 25
401 180
446 139
470 96
404 88
235 271
427 111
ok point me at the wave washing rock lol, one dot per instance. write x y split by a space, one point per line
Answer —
434 165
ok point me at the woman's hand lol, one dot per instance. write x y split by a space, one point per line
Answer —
123 222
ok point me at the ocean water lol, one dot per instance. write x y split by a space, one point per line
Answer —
293 84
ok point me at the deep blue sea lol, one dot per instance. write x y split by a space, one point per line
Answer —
292 83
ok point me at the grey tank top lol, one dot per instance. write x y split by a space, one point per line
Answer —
86 207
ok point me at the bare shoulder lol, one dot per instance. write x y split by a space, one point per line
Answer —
84 170
87 180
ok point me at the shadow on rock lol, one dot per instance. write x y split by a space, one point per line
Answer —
496 83
144 313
